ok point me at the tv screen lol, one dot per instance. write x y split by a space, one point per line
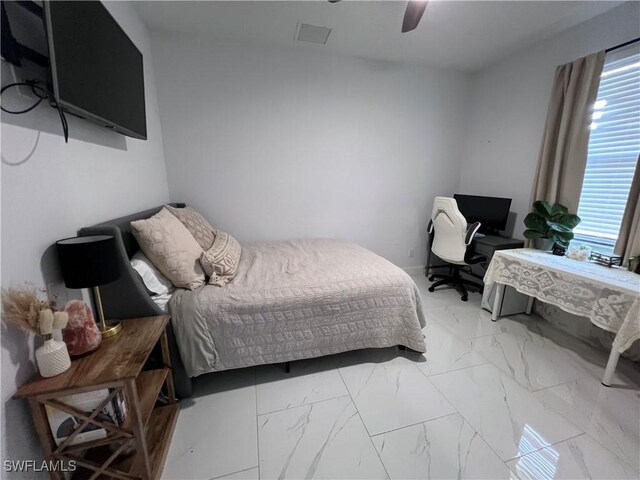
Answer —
97 70
491 212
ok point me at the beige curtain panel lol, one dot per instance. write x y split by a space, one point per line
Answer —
628 244
565 141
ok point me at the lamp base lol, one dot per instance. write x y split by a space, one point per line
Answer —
111 328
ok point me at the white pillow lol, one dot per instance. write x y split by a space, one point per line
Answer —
162 301
152 278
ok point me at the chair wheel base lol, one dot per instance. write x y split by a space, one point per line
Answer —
431 289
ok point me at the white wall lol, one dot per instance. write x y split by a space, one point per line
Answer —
55 188
278 144
510 102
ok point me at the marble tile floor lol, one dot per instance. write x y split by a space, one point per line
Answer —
515 399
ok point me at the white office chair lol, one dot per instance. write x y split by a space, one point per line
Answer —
452 243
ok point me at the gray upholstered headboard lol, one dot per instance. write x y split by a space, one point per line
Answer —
127 297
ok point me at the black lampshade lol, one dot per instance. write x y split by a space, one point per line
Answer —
88 261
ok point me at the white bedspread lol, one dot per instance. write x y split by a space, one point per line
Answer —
294 300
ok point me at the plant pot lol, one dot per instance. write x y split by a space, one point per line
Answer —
544 244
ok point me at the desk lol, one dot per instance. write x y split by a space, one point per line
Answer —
489 244
609 297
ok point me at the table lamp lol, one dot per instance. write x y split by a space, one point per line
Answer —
88 262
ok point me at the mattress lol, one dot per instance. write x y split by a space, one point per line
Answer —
293 300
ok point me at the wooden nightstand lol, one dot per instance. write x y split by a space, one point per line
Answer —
116 365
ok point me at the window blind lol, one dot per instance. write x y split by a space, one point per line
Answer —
614 144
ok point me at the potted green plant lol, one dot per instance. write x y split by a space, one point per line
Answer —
548 225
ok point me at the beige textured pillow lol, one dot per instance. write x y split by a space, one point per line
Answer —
201 230
171 248
220 262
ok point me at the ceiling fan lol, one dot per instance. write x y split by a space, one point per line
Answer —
412 15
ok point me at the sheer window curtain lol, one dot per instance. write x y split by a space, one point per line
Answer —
628 243
563 153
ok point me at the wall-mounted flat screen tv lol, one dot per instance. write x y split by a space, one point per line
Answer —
97 70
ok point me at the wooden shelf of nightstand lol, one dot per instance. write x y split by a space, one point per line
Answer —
158 439
116 366
159 433
148 386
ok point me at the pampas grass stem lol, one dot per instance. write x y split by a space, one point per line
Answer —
21 307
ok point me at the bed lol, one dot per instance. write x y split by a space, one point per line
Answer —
288 301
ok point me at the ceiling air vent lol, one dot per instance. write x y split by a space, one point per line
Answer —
313 34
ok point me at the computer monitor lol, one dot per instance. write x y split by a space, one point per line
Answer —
491 212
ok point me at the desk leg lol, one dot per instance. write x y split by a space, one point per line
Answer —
529 305
611 366
497 301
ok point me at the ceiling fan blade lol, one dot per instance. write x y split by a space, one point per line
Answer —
413 14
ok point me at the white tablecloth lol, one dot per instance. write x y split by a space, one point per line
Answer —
609 297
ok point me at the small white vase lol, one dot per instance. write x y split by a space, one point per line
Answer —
52 358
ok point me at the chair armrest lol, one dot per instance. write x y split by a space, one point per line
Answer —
471 232
430 227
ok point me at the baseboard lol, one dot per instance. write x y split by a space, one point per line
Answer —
417 270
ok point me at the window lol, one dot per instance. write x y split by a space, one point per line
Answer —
614 144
